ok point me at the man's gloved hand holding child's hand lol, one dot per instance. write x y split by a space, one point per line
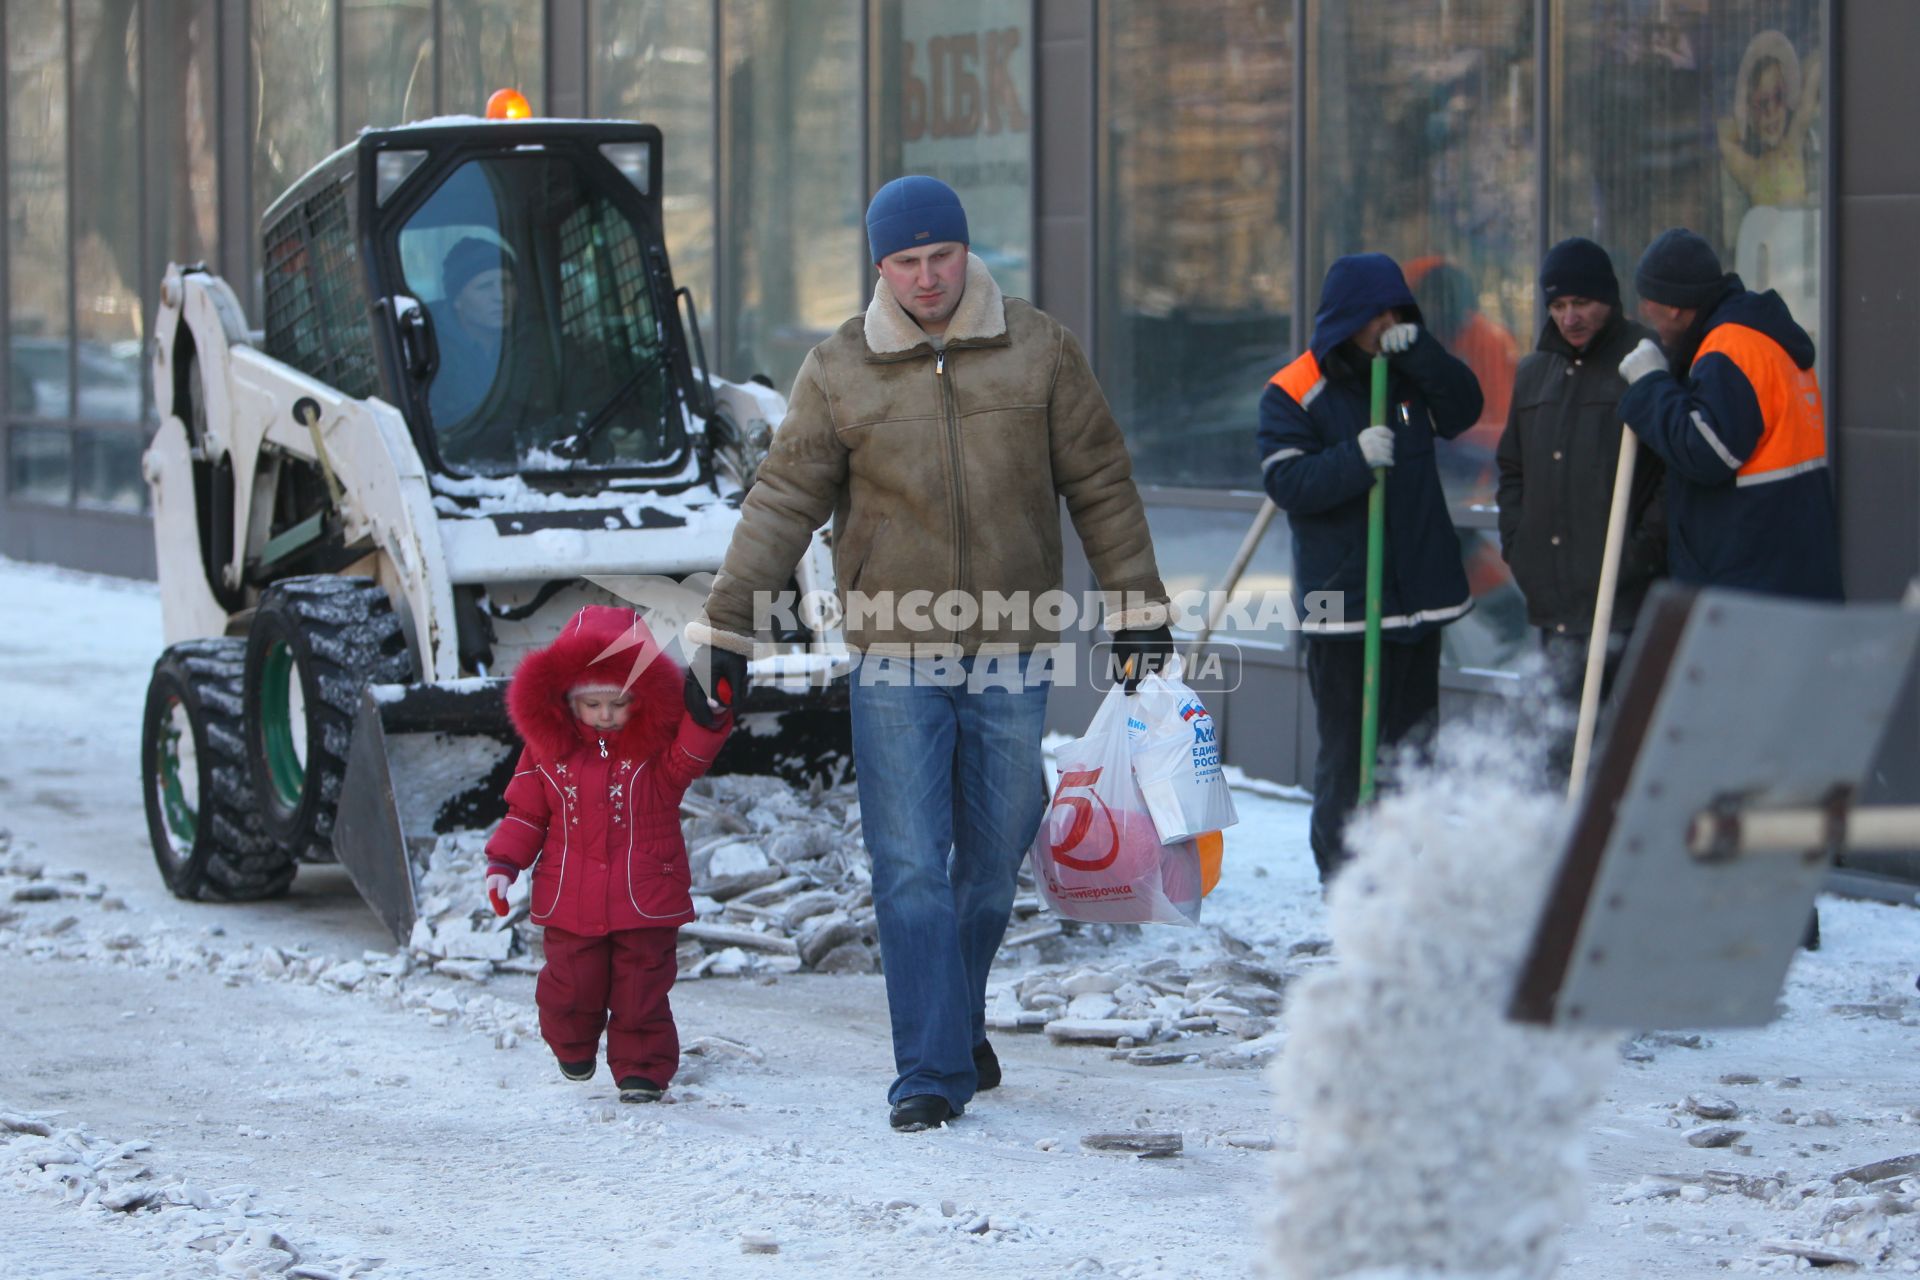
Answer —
724 686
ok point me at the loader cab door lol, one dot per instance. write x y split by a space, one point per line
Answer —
552 332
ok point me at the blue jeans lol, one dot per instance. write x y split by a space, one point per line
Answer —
952 789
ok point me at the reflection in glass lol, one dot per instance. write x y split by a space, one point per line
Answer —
491 44
387 49
1198 249
39 377
1695 114
1495 635
183 112
1194 546
295 125
796 236
38 464
106 470
1422 147
953 98
108 319
37 212
543 315
653 62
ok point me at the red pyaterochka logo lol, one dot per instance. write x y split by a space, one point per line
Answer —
1083 810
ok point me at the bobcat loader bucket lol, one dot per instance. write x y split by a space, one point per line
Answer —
430 759
426 759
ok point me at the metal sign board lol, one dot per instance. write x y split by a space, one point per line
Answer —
1727 701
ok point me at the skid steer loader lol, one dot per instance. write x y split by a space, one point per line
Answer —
478 402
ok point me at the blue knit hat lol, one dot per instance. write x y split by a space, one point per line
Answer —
911 211
1579 268
1680 269
468 258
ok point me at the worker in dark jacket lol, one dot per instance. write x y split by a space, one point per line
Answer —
1733 407
1318 454
1557 462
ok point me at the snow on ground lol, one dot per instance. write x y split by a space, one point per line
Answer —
266 1088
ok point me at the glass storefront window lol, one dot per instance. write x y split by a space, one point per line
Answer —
387 71
294 129
1494 636
491 44
653 62
39 383
1421 143
106 470
1696 114
1195 545
953 98
108 319
1196 250
39 464
182 117
795 236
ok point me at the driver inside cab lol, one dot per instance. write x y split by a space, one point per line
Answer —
470 327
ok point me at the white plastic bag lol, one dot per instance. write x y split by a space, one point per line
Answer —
1097 855
1176 760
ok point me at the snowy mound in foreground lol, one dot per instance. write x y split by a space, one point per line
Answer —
1435 1138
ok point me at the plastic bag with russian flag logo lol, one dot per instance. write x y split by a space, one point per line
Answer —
1097 855
1176 759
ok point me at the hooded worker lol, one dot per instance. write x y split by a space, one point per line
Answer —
1318 457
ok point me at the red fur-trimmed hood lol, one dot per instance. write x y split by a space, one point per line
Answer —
602 645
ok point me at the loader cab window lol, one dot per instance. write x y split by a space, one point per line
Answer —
551 352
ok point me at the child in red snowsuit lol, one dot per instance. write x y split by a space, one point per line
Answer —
594 809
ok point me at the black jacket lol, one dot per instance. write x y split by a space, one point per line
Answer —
1311 416
1557 462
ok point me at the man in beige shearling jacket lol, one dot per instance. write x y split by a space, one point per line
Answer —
939 431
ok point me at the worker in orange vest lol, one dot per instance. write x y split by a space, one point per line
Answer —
1733 408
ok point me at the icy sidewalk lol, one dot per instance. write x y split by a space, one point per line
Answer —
376 1124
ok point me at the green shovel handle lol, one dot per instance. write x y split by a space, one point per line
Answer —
1376 571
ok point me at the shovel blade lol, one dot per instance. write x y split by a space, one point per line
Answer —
426 759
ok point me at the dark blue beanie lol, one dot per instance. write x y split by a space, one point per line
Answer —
1680 269
914 210
1579 268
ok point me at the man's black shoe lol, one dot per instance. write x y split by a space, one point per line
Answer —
986 1067
639 1089
577 1070
921 1111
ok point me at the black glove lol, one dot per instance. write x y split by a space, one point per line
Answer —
1137 652
725 683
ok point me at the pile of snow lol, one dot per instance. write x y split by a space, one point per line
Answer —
1435 1138
781 884
1157 1012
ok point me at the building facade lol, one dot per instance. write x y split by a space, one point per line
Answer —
1169 177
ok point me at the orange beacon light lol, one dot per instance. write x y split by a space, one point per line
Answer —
508 104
